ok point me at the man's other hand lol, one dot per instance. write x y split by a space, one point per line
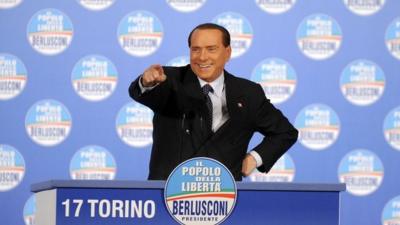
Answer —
248 165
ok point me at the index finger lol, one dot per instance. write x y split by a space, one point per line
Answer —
159 69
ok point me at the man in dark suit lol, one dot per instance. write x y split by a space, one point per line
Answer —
202 110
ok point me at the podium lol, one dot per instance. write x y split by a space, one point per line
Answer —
73 202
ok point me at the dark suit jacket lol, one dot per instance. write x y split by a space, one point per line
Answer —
180 131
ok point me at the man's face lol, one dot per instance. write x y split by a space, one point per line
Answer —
208 55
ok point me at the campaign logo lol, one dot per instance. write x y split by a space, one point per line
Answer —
179 61
200 191
94 78
140 33
8 4
48 122
391 128
30 210
50 31
12 167
92 163
318 126
282 171
96 4
391 212
362 171
392 38
186 5
240 30
135 125
277 78
364 7
13 76
362 82
275 6
319 36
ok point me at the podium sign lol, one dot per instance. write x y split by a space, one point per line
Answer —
77 202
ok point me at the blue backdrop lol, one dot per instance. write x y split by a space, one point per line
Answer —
331 66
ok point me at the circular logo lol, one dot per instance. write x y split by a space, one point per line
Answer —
275 6
92 163
12 167
277 78
318 126
134 125
50 31
30 210
362 82
362 171
240 30
140 33
200 191
94 78
282 171
391 128
8 4
96 4
179 61
391 212
364 7
13 76
48 122
186 6
392 38
319 36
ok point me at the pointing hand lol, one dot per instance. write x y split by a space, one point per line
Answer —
153 76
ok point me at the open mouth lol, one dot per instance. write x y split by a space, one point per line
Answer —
204 66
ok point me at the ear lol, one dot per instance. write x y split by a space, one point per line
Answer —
228 53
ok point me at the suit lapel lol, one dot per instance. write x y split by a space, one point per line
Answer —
234 103
234 97
195 108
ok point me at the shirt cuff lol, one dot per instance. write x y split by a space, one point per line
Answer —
144 89
257 157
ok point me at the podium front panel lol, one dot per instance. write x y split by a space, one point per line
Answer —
128 203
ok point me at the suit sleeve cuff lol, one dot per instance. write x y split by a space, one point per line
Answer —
257 157
144 89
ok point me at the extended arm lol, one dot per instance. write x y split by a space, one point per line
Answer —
150 88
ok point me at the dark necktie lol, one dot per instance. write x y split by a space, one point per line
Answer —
207 89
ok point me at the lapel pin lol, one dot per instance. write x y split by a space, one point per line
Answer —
240 105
